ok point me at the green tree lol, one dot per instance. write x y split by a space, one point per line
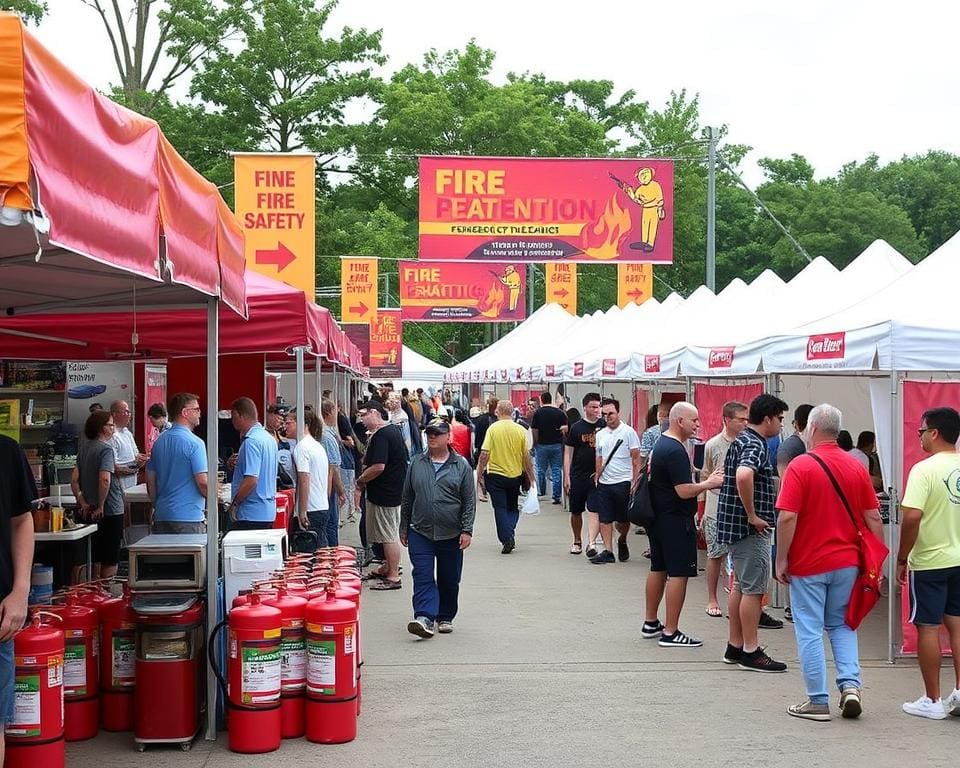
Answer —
31 10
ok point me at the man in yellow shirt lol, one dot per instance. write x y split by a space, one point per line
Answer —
504 464
648 194
511 279
930 546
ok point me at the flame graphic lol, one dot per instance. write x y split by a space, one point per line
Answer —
601 240
491 305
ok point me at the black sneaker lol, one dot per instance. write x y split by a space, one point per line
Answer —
732 655
678 640
623 551
603 558
421 627
758 661
768 622
651 630
557 501
508 547
591 552
788 614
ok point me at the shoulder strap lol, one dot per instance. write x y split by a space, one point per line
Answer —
836 487
609 456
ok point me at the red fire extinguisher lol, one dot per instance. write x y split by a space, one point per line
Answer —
80 671
118 663
293 662
252 687
331 669
35 734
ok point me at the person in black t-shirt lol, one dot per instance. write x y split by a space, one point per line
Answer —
17 493
548 425
579 467
384 470
673 535
481 425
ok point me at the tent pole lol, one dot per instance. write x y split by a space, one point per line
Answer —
213 511
300 391
318 366
894 484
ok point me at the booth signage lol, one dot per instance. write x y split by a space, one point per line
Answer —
561 281
546 209
386 343
276 207
651 363
471 292
551 370
634 283
720 357
609 367
578 369
358 290
826 346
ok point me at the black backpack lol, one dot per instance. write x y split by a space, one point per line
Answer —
640 510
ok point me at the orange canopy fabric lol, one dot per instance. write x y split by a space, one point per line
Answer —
14 168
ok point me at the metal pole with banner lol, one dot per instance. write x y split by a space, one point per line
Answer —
358 290
561 281
634 283
275 204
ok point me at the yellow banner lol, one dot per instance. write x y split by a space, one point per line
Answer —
276 207
562 285
634 283
358 290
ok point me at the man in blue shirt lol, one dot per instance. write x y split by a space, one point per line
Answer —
177 471
254 486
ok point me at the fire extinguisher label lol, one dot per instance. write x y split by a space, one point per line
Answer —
348 643
54 671
75 668
26 706
124 659
322 666
293 661
260 676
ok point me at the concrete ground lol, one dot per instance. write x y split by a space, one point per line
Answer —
546 667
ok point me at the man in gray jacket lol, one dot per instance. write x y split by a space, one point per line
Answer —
436 524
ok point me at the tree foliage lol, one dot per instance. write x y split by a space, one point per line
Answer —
30 10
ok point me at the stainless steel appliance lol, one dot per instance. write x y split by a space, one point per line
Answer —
168 563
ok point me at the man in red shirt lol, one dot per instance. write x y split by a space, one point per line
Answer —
817 555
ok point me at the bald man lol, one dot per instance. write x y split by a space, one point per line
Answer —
673 535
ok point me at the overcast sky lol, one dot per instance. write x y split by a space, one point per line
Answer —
833 81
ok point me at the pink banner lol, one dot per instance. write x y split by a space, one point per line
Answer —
154 391
710 399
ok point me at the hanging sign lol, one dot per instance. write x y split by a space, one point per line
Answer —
546 209
561 278
386 343
358 290
634 283
462 291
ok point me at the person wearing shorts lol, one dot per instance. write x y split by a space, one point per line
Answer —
673 535
714 454
579 465
617 467
745 519
930 548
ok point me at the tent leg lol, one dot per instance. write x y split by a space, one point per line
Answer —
318 367
300 391
213 513
894 484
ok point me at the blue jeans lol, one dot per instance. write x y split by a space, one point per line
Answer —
319 521
820 602
6 681
504 496
333 521
549 456
435 596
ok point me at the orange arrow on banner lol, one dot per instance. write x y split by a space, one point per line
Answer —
561 282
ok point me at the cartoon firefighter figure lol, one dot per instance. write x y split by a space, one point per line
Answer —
648 194
511 279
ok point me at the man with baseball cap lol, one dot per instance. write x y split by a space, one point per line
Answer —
436 525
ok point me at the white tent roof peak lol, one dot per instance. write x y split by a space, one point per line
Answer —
766 281
814 274
878 258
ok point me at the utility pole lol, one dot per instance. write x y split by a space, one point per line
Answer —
712 135
531 271
386 293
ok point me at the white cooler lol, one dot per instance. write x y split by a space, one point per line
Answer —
250 556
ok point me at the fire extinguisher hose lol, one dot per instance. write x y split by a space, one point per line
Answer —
212 656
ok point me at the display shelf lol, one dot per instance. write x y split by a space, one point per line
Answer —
17 391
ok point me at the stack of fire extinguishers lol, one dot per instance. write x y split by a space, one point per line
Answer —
293 654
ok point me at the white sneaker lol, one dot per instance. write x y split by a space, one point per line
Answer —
952 704
926 707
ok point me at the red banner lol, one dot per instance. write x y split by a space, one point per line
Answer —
546 209
463 292
154 391
710 399
386 343
359 334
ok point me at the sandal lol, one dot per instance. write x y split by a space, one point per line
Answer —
576 548
716 612
385 585
372 576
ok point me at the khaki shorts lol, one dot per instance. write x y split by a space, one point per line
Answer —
751 563
715 550
382 523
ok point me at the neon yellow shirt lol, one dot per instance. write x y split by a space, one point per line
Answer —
506 442
934 488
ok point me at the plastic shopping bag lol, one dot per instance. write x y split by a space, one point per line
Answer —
531 504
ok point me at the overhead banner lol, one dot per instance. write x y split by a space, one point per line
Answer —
634 283
561 280
276 207
359 334
546 209
358 290
463 291
386 343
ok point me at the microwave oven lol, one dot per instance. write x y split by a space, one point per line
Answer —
168 562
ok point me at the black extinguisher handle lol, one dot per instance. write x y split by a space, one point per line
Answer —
212 657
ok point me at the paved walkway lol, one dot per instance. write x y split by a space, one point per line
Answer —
546 668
